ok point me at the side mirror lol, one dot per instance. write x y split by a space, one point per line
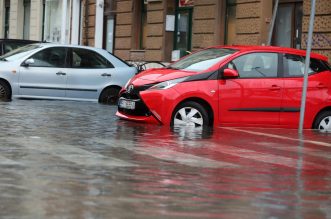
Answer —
230 73
28 62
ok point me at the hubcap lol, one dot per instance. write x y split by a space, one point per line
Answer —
189 117
325 124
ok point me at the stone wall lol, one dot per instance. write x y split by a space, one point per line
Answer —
252 24
123 29
322 27
88 22
205 25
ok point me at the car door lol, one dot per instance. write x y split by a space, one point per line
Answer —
90 72
45 75
317 89
255 96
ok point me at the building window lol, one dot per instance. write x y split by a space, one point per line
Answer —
7 13
230 26
53 19
140 25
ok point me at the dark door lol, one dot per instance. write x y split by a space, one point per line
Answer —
288 25
183 30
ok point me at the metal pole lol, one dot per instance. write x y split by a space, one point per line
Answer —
305 82
274 15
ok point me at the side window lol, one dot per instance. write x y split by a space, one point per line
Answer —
256 65
51 57
84 58
294 66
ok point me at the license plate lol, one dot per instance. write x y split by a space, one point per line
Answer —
127 104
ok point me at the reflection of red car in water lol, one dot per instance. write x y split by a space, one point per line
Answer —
232 86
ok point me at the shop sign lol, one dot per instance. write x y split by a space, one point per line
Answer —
186 3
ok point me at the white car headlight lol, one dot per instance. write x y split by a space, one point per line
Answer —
167 84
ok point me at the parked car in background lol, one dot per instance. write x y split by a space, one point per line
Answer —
232 86
65 72
7 45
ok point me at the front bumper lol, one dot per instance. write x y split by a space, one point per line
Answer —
144 119
140 113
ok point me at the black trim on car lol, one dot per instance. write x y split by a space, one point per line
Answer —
58 88
262 109
203 77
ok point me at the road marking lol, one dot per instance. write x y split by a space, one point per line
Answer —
266 158
166 154
70 153
278 136
6 161
297 149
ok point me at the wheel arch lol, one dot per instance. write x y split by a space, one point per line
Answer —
202 102
325 109
9 86
109 86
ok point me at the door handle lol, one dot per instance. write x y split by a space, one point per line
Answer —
275 87
320 86
106 75
60 73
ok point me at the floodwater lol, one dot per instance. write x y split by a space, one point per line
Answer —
77 160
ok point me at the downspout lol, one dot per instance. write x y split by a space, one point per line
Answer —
86 21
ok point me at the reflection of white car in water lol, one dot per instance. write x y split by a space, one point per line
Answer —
53 71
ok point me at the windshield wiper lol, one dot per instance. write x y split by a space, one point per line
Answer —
3 59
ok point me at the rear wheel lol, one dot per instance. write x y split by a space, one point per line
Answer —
323 122
4 91
109 95
190 114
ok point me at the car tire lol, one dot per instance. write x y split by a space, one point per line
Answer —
109 95
323 121
5 94
198 115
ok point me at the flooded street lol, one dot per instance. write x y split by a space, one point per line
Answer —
77 160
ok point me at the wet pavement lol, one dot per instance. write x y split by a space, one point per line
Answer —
77 160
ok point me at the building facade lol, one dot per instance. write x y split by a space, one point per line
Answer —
164 30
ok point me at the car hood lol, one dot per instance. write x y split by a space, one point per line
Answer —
159 75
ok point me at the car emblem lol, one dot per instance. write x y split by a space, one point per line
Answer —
130 88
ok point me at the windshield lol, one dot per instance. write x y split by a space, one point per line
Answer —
202 60
19 52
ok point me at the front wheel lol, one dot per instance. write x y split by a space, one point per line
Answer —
109 95
190 114
323 122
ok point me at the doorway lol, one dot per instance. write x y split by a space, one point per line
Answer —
183 30
288 25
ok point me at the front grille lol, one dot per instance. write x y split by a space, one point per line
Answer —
140 108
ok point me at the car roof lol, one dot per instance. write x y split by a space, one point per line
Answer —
246 48
67 45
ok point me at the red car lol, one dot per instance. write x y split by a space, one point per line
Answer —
232 86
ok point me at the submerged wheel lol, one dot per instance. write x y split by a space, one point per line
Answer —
323 122
109 95
4 91
190 114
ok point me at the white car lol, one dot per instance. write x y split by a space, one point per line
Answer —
65 72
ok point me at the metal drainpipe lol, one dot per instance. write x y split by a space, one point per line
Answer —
86 21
